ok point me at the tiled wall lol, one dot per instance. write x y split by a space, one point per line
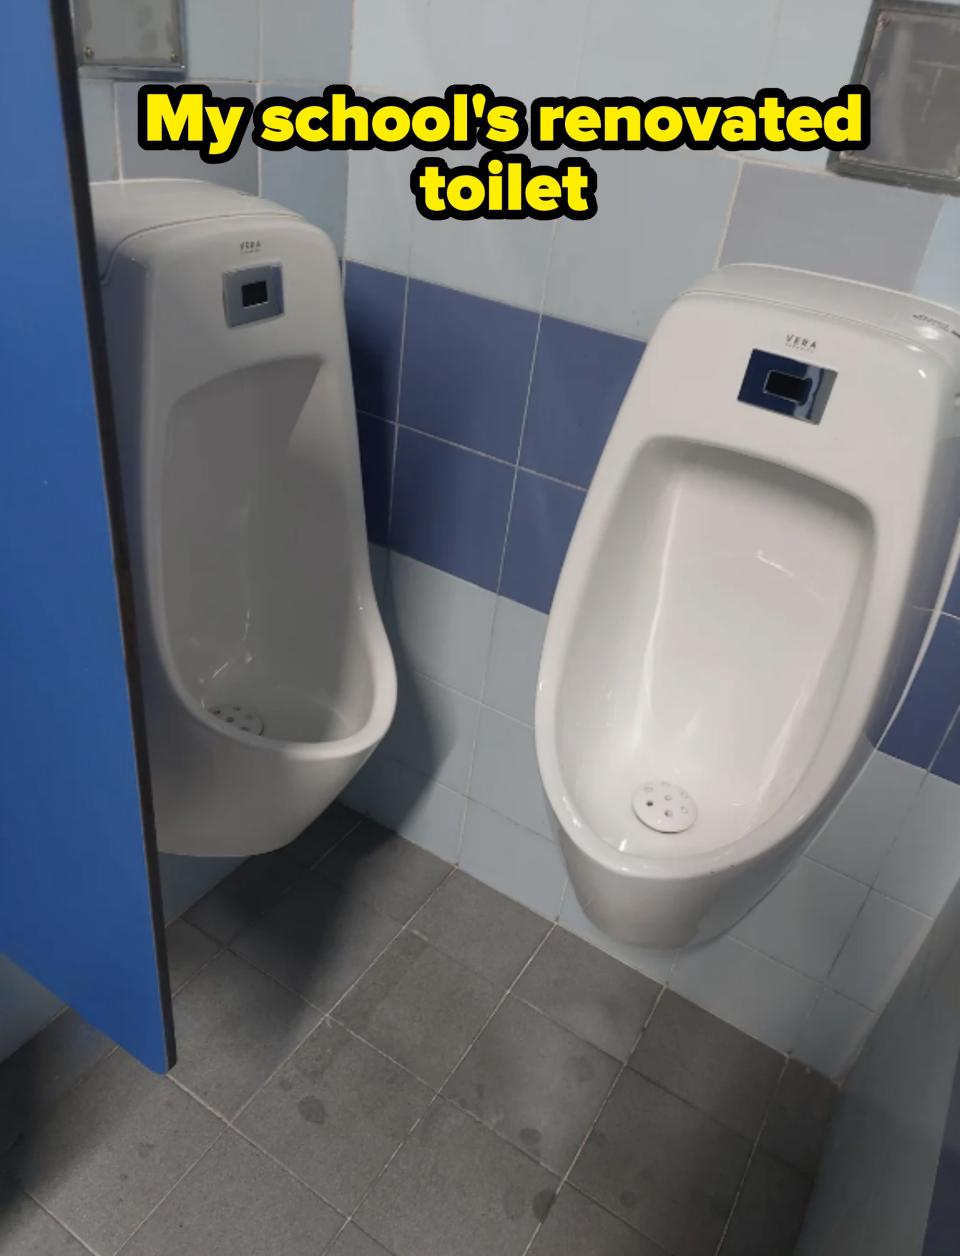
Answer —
287 50
490 358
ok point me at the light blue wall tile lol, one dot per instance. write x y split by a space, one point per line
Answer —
658 227
314 184
923 865
99 128
516 861
433 730
580 378
833 1035
375 302
306 42
392 48
939 278
423 811
804 920
440 625
542 521
505 774
242 172
747 989
450 507
511 682
466 368
878 951
223 38
684 47
828 223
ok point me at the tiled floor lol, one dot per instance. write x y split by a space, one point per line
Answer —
380 1056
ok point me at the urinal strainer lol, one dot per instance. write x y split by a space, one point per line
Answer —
664 806
243 717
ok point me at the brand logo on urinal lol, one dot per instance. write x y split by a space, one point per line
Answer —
794 341
249 246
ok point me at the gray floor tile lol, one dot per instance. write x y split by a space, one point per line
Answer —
717 1068
799 1116
319 838
26 1230
662 1166
317 941
233 1027
456 1188
111 1149
382 869
237 1202
244 895
44 1069
769 1212
420 1007
353 1242
600 999
335 1114
487 931
577 1226
534 1083
187 951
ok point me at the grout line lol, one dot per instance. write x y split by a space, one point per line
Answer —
62 1224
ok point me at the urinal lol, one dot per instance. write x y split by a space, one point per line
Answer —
735 619
267 676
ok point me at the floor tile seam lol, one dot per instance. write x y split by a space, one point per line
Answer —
750 1159
183 1176
565 1180
438 1096
252 1142
328 1012
221 947
62 1224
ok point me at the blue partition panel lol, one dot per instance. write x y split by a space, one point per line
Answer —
78 893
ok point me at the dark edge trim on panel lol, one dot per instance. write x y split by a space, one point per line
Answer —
63 40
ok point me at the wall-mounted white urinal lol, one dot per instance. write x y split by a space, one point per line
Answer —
733 625
267 675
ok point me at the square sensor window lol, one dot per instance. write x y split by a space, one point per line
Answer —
130 38
910 60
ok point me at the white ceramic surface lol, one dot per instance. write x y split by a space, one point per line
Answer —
244 508
733 613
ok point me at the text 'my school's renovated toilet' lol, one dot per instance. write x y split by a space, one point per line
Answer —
736 617
267 675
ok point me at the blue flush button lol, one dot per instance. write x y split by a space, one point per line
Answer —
785 386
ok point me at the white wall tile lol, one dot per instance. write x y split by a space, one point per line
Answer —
746 989
506 775
392 49
658 965
511 685
433 730
684 47
834 1034
307 41
939 277
923 865
519 863
223 39
440 625
99 128
423 811
380 209
503 259
313 184
804 920
878 951
618 271
863 828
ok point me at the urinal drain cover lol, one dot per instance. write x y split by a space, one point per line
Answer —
664 806
243 717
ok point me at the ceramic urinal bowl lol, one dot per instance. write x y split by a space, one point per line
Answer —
268 678
734 624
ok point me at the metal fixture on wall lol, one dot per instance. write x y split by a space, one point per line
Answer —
124 39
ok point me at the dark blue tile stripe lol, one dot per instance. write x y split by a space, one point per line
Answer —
375 302
931 703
